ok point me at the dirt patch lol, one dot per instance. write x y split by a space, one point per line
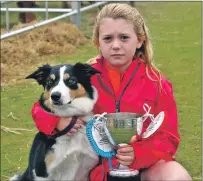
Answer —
21 52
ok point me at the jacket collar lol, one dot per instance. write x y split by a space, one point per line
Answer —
100 65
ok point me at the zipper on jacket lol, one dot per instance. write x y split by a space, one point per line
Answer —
117 106
118 101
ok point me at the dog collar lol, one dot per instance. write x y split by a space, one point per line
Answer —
66 129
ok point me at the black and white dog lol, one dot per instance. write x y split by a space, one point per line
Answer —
67 92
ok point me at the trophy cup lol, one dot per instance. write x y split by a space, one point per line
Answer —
106 132
121 126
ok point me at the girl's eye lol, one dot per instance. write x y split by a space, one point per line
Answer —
107 38
124 37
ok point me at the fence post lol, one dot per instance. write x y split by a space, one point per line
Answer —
76 18
46 6
7 17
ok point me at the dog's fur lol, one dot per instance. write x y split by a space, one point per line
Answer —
67 92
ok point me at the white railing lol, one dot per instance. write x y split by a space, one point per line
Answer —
36 10
5 1
70 12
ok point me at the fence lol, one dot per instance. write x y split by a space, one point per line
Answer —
74 12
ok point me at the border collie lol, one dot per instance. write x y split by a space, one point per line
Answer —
67 92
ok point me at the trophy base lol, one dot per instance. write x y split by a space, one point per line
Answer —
123 175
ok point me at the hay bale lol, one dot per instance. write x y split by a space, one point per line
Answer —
58 38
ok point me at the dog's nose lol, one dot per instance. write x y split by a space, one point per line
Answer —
55 96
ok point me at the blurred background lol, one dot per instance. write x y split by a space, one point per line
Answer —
175 29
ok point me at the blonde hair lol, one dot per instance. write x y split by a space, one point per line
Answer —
130 14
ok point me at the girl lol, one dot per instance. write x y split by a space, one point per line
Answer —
127 81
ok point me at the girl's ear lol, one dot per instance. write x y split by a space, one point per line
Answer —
139 43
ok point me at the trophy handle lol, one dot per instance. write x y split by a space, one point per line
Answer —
154 125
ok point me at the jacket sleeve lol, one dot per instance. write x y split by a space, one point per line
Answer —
164 142
44 121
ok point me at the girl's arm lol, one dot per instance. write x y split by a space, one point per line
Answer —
44 121
49 123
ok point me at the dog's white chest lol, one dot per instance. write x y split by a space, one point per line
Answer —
73 158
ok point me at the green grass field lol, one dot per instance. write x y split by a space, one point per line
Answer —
175 29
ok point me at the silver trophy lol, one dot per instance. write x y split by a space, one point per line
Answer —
122 126
106 132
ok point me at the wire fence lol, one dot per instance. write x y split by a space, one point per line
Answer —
74 12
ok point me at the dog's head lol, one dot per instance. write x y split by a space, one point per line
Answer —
67 88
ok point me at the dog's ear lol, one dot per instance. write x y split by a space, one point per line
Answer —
41 74
86 69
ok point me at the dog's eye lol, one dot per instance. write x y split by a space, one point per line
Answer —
71 82
50 82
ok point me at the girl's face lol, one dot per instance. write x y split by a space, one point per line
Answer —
118 42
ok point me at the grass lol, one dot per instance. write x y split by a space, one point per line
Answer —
175 29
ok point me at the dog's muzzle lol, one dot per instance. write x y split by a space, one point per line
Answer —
55 97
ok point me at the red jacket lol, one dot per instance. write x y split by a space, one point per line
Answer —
136 89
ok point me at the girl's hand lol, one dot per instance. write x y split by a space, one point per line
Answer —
65 121
125 155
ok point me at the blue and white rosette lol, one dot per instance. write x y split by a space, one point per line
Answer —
99 137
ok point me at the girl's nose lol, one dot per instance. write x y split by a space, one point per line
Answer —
116 45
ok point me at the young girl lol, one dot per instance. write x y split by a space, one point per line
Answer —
127 81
